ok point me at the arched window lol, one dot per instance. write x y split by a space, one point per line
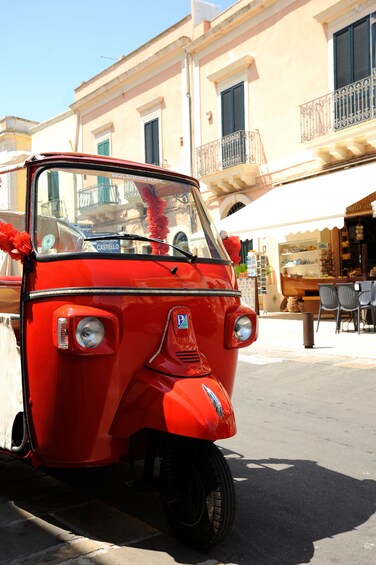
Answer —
235 208
180 240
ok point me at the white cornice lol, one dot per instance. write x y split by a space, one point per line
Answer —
342 7
230 69
107 127
155 103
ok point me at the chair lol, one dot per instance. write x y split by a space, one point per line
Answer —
329 302
349 302
373 304
364 288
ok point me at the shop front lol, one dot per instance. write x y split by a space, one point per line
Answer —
312 230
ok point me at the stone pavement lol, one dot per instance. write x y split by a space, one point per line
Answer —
282 334
44 520
47 520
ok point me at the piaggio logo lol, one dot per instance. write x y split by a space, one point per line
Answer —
182 321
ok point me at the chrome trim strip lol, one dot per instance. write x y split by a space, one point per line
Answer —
126 291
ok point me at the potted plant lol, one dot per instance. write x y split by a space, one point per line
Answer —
241 270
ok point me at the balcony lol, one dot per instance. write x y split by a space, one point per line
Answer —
100 200
54 208
340 124
230 163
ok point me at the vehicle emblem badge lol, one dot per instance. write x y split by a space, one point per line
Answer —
182 321
214 400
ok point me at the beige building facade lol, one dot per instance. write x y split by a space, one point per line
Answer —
271 105
15 138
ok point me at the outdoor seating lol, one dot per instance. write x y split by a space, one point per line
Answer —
328 302
364 289
373 305
349 302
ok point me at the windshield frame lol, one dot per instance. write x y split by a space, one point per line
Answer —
210 233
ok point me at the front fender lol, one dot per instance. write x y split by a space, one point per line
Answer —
193 407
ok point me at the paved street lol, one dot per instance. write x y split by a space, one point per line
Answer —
304 462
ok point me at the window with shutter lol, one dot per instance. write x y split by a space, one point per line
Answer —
233 135
151 134
354 58
103 148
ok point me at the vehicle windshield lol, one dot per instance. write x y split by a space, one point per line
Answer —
86 210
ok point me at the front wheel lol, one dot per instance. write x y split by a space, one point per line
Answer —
197 493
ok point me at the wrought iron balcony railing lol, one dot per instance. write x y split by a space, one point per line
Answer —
343 108
241 147
98 195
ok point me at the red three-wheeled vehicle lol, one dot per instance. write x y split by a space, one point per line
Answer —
119 332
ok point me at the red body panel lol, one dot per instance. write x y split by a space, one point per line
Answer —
164 328
73 399
174 405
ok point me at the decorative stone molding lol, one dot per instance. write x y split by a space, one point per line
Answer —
231 69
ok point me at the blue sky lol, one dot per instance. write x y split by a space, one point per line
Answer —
48 48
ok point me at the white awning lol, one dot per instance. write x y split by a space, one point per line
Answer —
13 161
312 204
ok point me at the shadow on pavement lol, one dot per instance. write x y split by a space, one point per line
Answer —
283 507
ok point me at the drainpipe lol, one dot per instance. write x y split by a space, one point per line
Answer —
188 59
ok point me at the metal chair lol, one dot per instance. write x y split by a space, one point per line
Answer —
364 288
373 304
329 302
349 302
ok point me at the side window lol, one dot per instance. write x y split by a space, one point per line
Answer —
233 125
232 107
151 135
352 53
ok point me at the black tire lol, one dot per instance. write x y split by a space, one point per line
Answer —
197 494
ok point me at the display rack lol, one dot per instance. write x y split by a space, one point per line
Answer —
300 258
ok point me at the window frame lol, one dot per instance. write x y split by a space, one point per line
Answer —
152 140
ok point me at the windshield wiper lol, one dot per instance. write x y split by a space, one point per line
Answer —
135 237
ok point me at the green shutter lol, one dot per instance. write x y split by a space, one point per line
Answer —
352 53
151 134
232 107
103 182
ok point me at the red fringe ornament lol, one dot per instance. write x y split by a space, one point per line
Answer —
233 245
16 243
157 221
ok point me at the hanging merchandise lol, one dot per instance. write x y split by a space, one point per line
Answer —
359 232
252 263
327 263
345 245
262 262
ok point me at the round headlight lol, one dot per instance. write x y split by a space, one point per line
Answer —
243 328
90 332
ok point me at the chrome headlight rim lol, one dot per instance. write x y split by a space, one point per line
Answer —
89 332
243 328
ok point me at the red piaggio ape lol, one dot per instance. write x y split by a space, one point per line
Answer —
123 338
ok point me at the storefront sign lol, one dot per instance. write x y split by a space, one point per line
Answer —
108 246
363 206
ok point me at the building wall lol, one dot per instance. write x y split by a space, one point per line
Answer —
14 136
60 133
280 52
